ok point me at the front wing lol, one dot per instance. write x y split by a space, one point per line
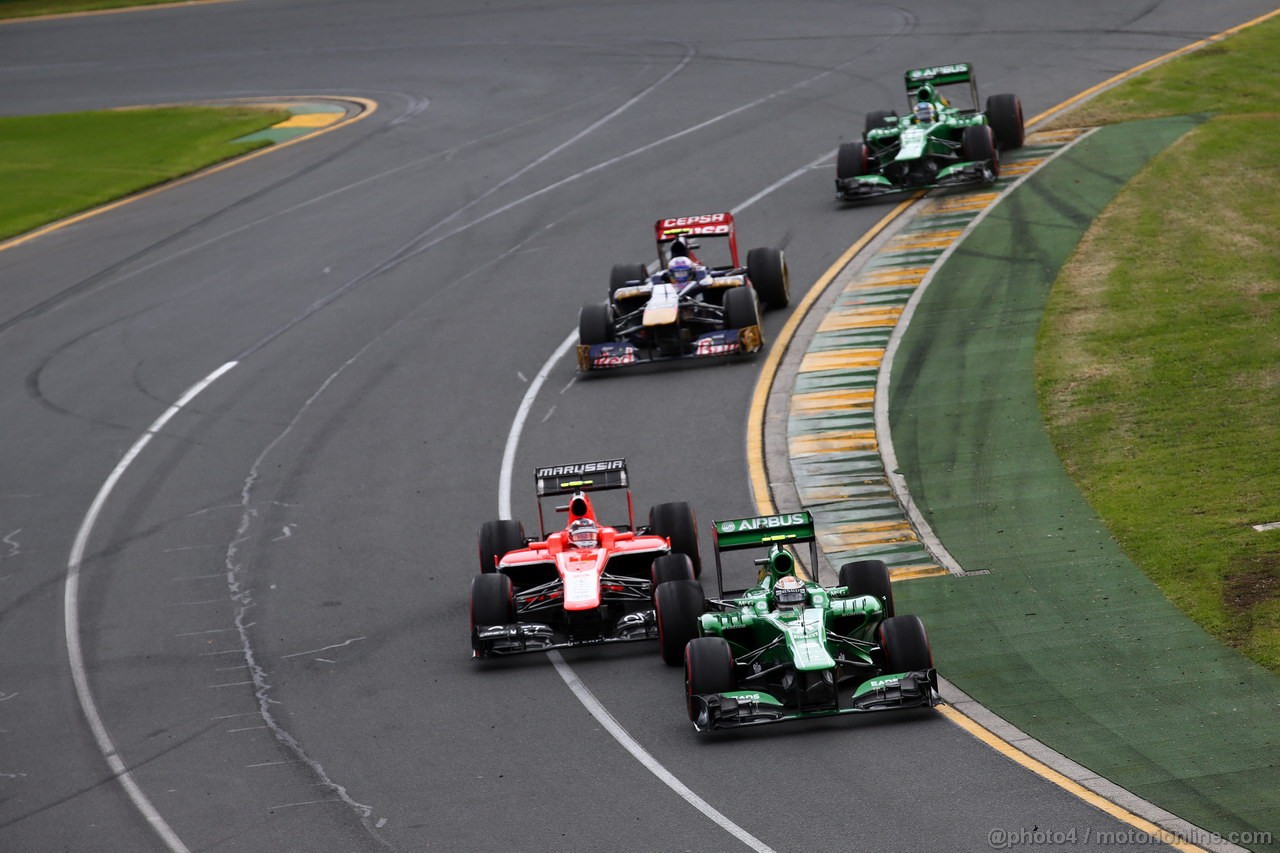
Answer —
708 345
865 187
519 638
742 708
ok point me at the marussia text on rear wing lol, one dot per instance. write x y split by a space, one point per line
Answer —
581 477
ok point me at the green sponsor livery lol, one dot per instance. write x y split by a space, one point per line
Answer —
762 530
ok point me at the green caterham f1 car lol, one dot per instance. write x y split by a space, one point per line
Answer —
935 144
788 648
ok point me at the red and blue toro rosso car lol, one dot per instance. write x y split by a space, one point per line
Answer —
587 583
692 307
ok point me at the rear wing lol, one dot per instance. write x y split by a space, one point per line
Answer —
601 476
687 228
581 477
764 531
941 75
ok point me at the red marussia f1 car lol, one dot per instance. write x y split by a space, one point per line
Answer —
585 584
692 307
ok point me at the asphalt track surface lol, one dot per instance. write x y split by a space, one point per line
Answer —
274 599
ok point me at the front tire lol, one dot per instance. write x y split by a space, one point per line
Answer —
852 159
708 668
492 603
769 275
676 521
595 324
876 120
905 645
978 144
1004 114
677 606
498 538
740 308
869 577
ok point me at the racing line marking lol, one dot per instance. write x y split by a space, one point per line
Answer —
620 734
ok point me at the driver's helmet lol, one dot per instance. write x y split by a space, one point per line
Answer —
584 533
680 270
924 112
788 592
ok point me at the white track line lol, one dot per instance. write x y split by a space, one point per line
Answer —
602 715
71 616
566 672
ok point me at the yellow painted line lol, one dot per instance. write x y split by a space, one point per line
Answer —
923 240
841 359
1070 785
1053 137
96 12
866 318
1022 168
309 120
900 275
845 536
955 204
814 402
833 441
910 573
824 494
369 108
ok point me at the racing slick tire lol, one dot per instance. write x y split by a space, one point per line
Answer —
677 606
492 603
904 644
708 668
979 143
618 278
675 520
595 324
869 577
1004 115
875 121
670 567
740 308
769 275
852 159
498 538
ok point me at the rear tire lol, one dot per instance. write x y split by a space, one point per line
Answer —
852 159
905 645
740 309
498 538
769 275
677 606
492 603
676 521
869 577
978 144
708 668
671 567
876 120
1004 114
595 324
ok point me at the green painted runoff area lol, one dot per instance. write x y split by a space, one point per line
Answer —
1065 637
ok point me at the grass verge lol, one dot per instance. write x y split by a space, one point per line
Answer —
29 8
1158 363
53 166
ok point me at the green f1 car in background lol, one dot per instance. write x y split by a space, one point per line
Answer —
787 648
935 144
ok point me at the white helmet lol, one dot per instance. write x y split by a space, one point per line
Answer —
788 591
924 112
680 270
